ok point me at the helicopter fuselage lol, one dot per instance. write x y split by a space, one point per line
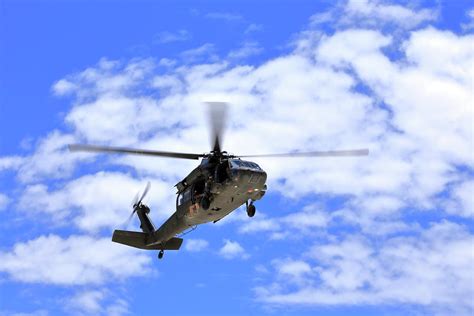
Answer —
229 184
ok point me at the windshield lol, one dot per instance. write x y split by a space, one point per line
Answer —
242 164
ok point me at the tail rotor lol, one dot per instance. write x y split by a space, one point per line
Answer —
137 202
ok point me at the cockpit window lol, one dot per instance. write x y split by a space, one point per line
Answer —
241 164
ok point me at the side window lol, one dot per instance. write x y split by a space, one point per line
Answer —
198 190
184 196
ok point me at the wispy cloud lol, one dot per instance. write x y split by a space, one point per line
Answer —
231 17
170 37
4 200
375 13
205 51
196 245
97 302
247 49
406 270
253 28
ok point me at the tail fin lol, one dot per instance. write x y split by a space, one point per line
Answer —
142 241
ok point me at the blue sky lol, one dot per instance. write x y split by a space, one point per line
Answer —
387 234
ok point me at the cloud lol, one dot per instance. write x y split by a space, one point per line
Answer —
51 159
226 16
170 37
375 13
417 138
470 24
102 79
232 249
63 87
97 302
312 218
87 301
76 260
97 201
388 12
4 200
202 53
196 245
375 86
253 28
246 50
432 269
462 202
10 162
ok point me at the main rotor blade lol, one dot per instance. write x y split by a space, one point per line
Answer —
217 120
331 153
123 150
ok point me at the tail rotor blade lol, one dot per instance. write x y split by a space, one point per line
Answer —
127 222
147 188
135 200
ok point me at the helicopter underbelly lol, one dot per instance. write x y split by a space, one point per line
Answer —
229 196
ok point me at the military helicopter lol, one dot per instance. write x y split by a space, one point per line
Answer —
220 184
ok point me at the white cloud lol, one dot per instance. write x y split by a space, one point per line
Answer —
259 224
462 202
63 87
375 13
51 159
311 218
205 51
414 149
470 24
226 16
253 27
4 200
97 201
170 37
10 162
232 249
247 49
87 301
166 82
195 245
76 260
433 269
97 302
388 12
293 271
117 308
412 109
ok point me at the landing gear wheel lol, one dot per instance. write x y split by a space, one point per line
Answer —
251 210
205 203
160 254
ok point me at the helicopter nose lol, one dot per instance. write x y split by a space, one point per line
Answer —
250 179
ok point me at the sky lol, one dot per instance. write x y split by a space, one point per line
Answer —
387 234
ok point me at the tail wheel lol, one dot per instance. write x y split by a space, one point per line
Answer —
160 254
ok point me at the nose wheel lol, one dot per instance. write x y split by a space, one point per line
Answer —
160 254
251 209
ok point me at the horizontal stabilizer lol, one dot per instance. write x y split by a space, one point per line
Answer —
142 241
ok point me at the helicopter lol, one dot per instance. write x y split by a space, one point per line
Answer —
220 184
